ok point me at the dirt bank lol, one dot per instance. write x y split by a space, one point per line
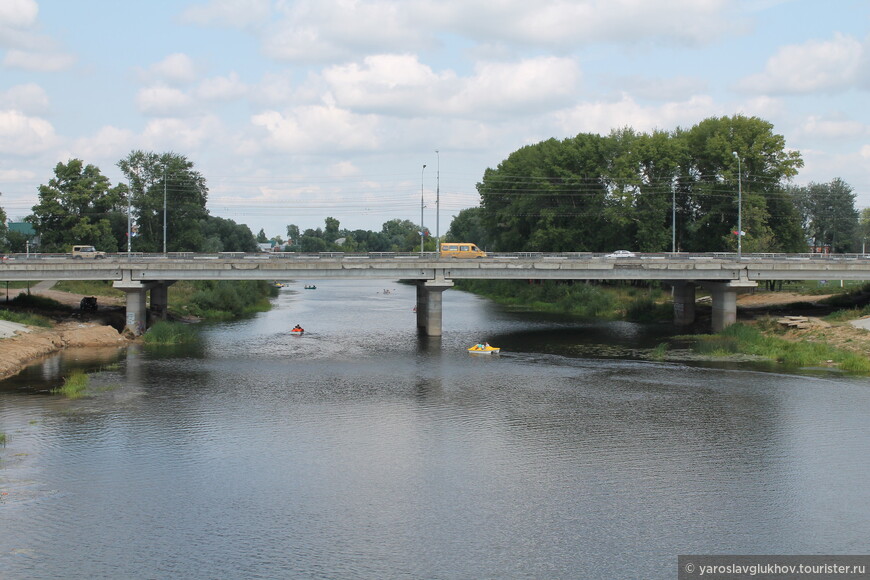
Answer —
24 348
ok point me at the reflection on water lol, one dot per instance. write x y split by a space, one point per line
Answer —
362 450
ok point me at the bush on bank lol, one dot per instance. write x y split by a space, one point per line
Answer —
742 338
579 300
169 333
221 299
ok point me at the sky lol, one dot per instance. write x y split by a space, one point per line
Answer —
298 110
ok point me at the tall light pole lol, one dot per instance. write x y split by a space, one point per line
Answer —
164 208
674 220
739 207
422 229
437 201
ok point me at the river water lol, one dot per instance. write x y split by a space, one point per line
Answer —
360 450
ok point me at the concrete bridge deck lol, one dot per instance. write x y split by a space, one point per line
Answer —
723 274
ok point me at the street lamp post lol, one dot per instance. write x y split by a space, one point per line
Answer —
438 201
164 208
739 206
422 229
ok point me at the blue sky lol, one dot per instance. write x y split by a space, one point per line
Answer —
295 110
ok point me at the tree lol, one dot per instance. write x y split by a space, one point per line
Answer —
77 207
261 237
224 235
401 235
467 227
828 214
4 241
167 180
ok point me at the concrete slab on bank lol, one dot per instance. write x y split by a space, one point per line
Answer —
8 329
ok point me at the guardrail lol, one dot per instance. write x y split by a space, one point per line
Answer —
141 257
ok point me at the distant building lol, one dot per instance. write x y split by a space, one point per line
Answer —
24 229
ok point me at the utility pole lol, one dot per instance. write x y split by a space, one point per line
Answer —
739 207
437 201
422 229
164 208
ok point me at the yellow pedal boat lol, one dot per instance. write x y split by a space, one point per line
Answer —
484 349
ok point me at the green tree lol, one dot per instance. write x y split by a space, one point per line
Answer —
77 207
167 180
261 237
828 214
224 235
467 226
401 235
4 240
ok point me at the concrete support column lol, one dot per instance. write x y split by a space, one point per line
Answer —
429 300
160 299
136 321
724 295
684 303
724 306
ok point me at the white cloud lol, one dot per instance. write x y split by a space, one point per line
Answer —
182 134
317 129
526 87
602 117
161 100
831 65
38 60
109 142
176 69
16 17
572 23
230 13
224 88
332 30
23 135
29 99
820 128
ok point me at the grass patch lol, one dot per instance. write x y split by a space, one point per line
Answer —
74 386
89 288
3 439
579 300
741 338
166 333
660 351
25 318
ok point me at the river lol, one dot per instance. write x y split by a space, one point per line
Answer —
360 450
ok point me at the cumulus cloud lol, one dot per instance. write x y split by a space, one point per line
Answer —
821 128
229 13
109 142
182 134
330 30
161 100
16 18
175 69
24 135
400 85
317 128
223 88
830 65
29 99
38 60
602 117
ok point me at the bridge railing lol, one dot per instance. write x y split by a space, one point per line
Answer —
148 257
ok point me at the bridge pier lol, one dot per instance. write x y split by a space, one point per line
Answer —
429 300
160 299
684 303
724 296
136 319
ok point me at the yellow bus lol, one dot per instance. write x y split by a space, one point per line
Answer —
461 250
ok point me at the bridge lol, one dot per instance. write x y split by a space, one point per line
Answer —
723 274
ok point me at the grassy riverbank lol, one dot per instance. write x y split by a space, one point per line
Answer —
828 342
582 301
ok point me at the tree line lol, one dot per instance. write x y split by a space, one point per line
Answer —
650 192
662 191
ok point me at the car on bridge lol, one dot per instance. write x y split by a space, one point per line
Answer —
621 254
461 250
90 252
